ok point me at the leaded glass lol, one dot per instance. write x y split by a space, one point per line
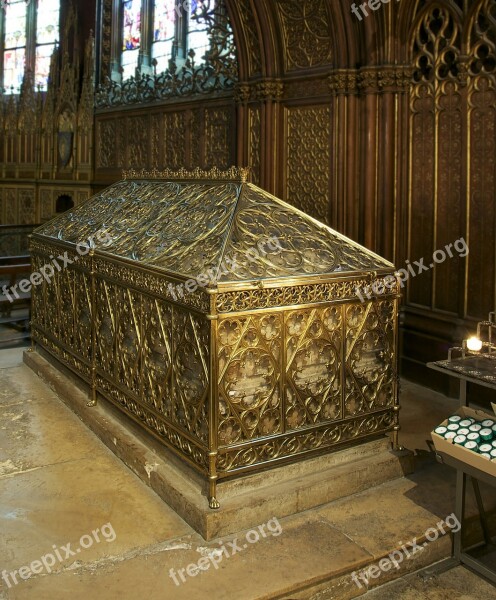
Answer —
15 41
47 21
15 24
198 38
47 34
129 62
131 35
165 16
43 58
13 69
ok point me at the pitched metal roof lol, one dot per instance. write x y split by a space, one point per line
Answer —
193 225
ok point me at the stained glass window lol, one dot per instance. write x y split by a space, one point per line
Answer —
14 45
47 34
198 38
164 25
30 33
131 36
177 26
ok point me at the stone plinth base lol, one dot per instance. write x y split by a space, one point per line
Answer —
245 502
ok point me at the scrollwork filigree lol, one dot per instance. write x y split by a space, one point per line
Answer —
218 72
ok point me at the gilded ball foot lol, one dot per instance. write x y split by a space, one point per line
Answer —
213 503
91 403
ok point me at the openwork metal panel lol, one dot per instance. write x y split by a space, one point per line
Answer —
250 398
215 71
314 350
61 307
325 371
275 359
370 345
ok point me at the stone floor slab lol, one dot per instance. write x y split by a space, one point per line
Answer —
37 432
257 569
60 503
11 357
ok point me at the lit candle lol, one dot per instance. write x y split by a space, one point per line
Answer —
474 344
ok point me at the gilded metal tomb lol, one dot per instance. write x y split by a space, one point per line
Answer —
221 319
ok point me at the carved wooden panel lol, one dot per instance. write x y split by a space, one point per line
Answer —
450 193
452 164
217 138
27 206
436 149
156 128
83 150
255 143
482 166
170 138
308 88
453 158
307 33
422 187
308 159
106 149
196 134
11 206
175 135
122 143
137 142
46 204
81 197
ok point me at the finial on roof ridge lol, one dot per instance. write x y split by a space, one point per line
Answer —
239 174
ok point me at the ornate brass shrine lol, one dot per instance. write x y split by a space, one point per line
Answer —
221 319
